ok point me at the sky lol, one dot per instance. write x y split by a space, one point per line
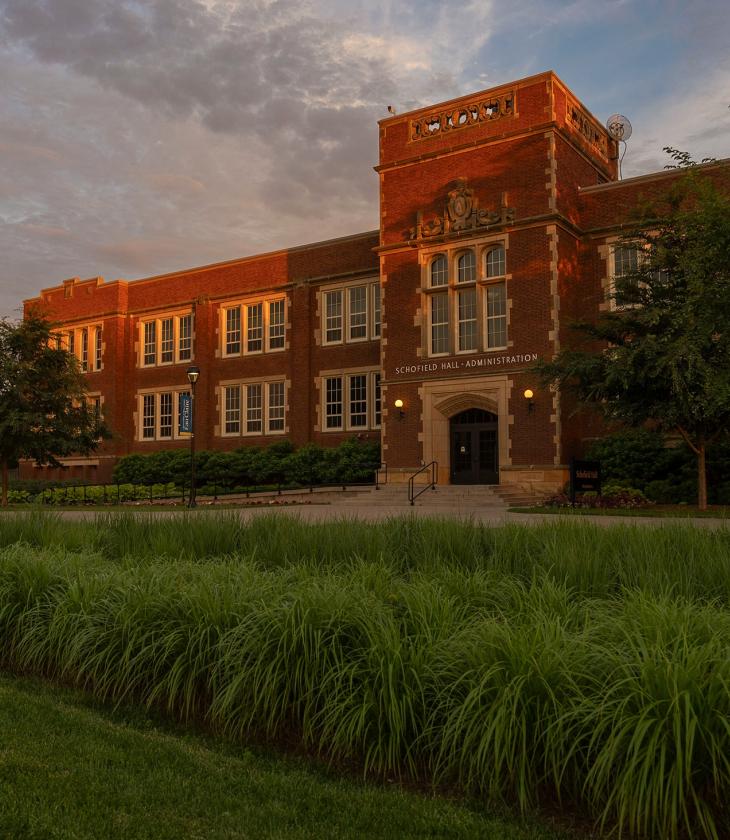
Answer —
144 136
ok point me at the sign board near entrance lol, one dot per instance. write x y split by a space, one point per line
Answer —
466 363
585 477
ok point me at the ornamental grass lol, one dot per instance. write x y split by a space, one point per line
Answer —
562 663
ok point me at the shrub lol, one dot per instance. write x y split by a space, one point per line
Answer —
352 462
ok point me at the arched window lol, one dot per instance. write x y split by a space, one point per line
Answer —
467 266
496 264
439 271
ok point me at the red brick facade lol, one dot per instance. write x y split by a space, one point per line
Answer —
497 211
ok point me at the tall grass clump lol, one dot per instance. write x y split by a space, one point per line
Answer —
525 665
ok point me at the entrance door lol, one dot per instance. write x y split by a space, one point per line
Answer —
474 448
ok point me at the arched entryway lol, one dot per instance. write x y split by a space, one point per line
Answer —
474 447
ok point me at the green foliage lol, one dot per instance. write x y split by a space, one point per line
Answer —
665 473
352 462
43 410
662 353
562 662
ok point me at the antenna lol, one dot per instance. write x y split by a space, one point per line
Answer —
619 128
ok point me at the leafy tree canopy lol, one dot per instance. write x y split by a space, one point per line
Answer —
44 413
660 354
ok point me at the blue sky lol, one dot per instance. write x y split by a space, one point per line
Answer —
141 137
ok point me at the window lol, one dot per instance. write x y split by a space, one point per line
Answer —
358 312
167 354
376 310
148 416
185 338
166 415
150 343
277 325
254 327
358 401
276 407
440 271
333 316
465 300
264 406
85 343
439 324
159 414
627 259
352 401
233 330
84 349
377 402
467 268
232 419
496 264
468 320
333 402
496 315
97 349
167 341
351 313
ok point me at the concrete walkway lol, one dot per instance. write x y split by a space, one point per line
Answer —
327 512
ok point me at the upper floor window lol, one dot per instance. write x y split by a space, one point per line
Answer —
167 339
255 327
351 313
86 344
466 300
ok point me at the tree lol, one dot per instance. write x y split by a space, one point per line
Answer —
660 355
44 412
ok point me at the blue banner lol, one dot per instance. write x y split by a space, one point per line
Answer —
185 414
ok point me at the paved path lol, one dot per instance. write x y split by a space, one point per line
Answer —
369 513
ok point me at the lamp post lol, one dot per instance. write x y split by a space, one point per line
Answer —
193 374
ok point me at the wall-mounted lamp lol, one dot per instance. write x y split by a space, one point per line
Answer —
399 405
528 395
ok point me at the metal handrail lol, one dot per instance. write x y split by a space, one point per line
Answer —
434 467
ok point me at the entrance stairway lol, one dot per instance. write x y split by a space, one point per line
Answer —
445 499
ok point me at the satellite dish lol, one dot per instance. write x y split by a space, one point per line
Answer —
619 127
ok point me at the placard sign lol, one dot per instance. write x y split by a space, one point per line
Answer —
186 414
585 477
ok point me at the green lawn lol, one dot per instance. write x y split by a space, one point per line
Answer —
72 768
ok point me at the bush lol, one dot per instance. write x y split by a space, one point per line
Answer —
352 462
664 470
613 496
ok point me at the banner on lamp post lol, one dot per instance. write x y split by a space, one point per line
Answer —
185 414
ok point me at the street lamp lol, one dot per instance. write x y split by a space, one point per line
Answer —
193 374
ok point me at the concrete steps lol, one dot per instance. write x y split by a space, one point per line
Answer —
445 498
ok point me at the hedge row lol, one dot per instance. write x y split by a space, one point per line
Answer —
665 471
352 462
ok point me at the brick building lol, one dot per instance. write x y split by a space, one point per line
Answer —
499 218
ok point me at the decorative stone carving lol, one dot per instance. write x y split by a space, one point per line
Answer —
587 127
484 110
462 213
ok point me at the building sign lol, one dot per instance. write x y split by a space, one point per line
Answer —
585 477
186 414
468 363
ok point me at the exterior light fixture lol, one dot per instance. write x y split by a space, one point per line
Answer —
399 405
193 373
528 395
